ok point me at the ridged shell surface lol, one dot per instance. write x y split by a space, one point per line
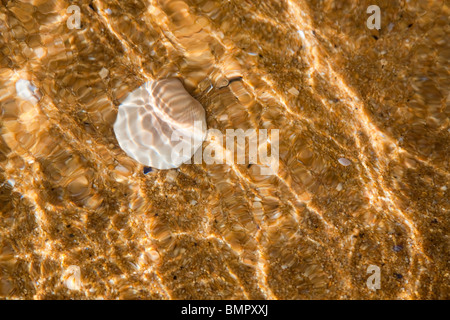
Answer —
155 119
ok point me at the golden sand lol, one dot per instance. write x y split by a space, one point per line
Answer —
79 218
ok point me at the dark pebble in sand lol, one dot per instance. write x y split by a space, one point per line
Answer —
147 170
398 275
398 248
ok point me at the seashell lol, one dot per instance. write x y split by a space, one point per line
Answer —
160 124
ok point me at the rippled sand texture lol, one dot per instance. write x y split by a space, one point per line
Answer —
79 219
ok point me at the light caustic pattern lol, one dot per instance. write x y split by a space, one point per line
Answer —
363 147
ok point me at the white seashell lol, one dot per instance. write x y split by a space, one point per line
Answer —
344 162
160 124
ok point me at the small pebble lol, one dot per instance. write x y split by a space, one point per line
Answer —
103 73
344 162
293 91
398 248
171 175
121 169
26 91
39 52
147 170
390 27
